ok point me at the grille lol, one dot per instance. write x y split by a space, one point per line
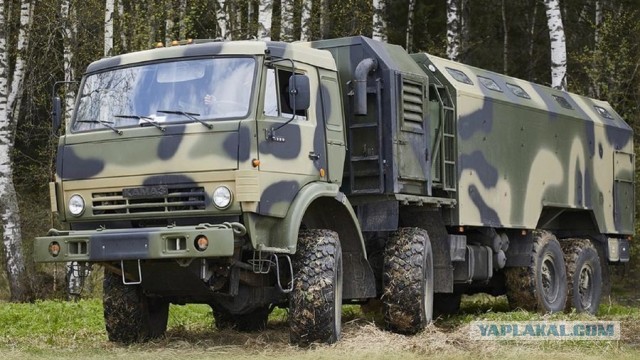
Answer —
412 103
185 198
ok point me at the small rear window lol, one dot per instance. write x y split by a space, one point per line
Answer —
603 112
518 91
563 102
460 76
489 83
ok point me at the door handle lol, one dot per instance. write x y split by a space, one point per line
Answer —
314 156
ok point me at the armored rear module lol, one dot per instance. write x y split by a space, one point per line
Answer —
248 175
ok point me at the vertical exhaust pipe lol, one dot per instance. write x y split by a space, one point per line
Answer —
363 69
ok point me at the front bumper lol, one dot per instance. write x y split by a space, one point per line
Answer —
173 242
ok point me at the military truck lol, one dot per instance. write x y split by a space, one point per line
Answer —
249 175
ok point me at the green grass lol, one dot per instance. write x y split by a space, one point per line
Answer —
57 329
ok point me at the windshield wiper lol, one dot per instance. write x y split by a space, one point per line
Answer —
190 115
108 124
146 119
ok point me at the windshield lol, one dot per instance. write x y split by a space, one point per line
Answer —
163 93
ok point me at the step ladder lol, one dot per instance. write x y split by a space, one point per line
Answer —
444 146
366 162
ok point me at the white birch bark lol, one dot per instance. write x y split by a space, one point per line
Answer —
265 10
558 45
69 31
222 17
10 93
121 25
379 24
305 34
453 30
409 40
168 22
286 23
325 26
69 35
598 18
182 12
108 27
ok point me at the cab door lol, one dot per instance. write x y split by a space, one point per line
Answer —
291 147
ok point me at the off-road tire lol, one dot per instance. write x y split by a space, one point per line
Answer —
255 320
446 303
541 286
407 280
584 275
129 315
315 304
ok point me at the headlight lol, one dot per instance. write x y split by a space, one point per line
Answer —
76 205
222 197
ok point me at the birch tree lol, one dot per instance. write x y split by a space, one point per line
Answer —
453 30
264 19
558 45
305 33
223 20
10 96
121 22
379 24
286 20
409 39
108 27
182 11
69 30
532 36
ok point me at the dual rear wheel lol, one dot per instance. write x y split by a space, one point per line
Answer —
559 277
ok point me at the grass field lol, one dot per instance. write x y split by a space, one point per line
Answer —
56 329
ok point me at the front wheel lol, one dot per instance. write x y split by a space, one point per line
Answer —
407 298
315 304
129 315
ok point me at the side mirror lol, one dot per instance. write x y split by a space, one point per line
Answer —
56 114
299 92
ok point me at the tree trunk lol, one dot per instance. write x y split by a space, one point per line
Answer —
9 211
286 24
182 12
409 39
505 42
305 33
108 28
379 24
532 38
223 20
264 20
453 30
558 45
121 22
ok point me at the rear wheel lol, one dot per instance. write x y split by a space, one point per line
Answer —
407 298
541 286
129 315
315 304
584 276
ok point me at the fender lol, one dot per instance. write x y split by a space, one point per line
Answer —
281 235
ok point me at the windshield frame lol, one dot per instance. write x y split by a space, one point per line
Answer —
177 119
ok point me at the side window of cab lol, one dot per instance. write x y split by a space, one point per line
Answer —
276 95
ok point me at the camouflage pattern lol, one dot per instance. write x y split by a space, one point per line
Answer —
482 151
191 159
519 156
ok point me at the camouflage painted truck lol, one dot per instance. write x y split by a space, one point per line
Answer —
248 175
